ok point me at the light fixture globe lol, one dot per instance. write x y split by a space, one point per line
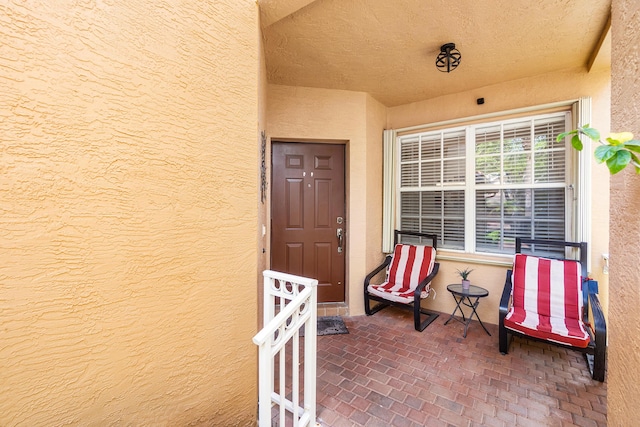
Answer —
449 58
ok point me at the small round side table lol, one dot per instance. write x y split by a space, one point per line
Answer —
464 297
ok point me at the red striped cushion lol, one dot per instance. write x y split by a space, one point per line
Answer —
409 266
547 300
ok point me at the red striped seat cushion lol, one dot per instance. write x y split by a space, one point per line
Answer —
409 266
547 300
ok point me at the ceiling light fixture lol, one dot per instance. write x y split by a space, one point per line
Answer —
449 58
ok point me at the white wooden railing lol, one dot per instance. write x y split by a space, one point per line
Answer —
290 302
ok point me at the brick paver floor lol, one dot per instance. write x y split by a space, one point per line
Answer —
384 373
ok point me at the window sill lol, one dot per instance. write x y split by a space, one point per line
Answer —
499 260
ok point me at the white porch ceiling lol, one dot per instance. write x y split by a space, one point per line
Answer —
388 47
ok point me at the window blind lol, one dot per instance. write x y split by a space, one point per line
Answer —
511 182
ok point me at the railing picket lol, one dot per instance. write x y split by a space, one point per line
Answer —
310 354
295 374
282 385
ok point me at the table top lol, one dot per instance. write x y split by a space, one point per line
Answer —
473 291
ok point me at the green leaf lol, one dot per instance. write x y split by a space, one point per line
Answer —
576 143
633 145
592 133
635 162
619 161
605 152
563 135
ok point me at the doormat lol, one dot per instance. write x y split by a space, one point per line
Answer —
329 325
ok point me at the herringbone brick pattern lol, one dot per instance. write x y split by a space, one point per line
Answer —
384 373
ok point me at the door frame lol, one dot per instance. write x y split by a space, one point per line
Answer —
267 231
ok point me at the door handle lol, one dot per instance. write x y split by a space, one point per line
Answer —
339 234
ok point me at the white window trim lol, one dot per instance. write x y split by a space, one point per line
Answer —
388 190
581 223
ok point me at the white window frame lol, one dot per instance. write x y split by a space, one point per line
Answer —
578 181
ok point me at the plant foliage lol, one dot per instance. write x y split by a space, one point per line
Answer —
464 273
617 151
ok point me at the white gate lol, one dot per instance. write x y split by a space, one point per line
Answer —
290 302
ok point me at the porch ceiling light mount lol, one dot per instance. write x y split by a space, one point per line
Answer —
449 58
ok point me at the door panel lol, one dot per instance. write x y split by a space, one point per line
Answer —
294 200
294 257
323 209
308 197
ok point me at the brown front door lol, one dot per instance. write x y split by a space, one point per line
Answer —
308 214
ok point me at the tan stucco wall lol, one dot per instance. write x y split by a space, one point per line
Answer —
354 118
129 220
624 329
549 88
376 118
264 250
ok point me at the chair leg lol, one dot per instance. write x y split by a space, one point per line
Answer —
600 339
419 324
367 306
599 363
503 339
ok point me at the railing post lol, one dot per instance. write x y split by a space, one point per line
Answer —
266 369
269 303
265 383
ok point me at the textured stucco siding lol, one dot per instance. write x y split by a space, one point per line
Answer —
375 123
128 212
624 348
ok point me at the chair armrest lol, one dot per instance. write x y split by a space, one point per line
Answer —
599 322
506 296
599 341
426 280
505 299
377 270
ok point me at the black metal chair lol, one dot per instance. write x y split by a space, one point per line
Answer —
550 298
409 272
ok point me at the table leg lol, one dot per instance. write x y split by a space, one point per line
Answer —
458 301
466 320
473 311
478 317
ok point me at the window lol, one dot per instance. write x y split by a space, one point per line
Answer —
478 187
